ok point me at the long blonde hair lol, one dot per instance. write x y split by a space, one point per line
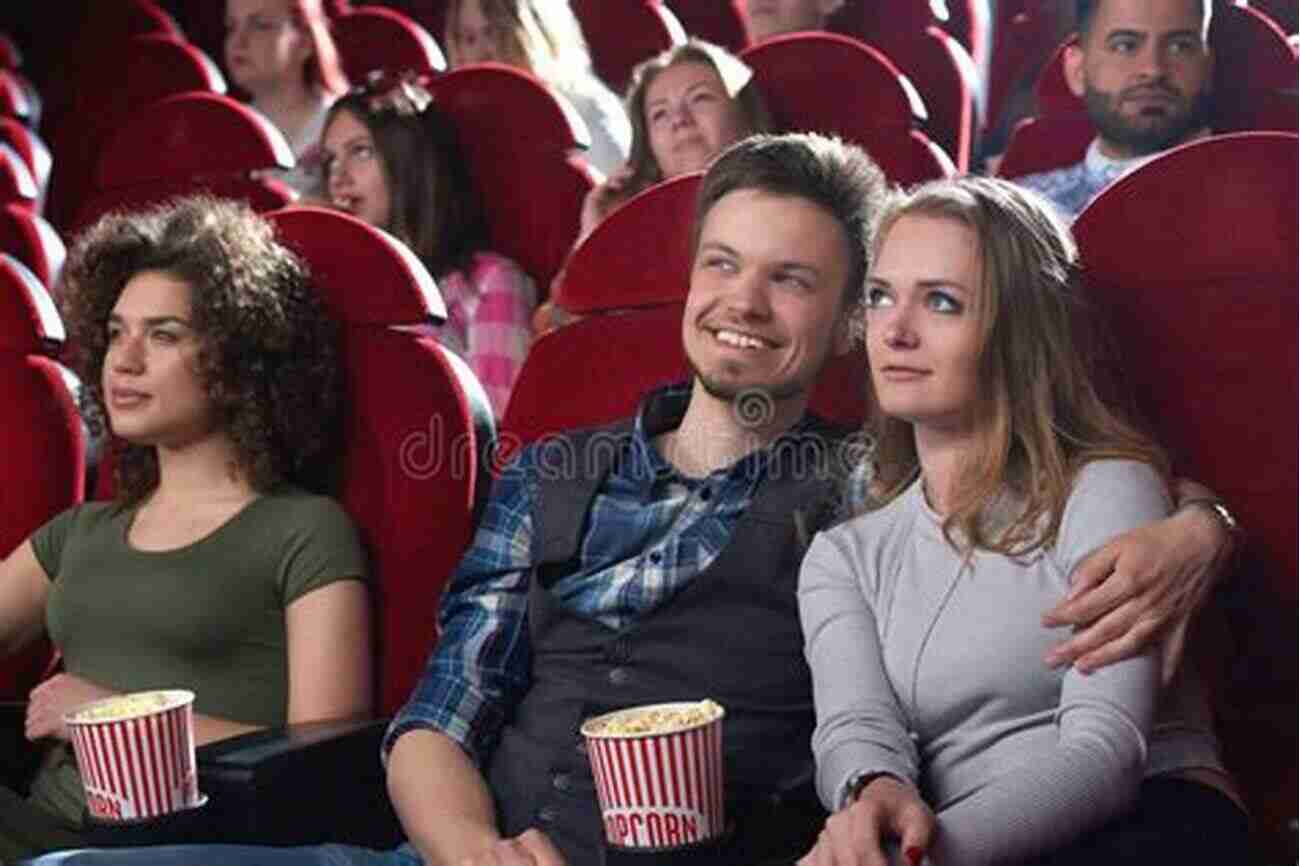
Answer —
1038 416
543 35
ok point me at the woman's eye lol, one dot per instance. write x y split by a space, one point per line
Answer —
942 302
719 263
166 336
877 298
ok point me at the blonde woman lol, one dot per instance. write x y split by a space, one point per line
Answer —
996 469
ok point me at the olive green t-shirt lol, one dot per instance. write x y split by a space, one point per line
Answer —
208 617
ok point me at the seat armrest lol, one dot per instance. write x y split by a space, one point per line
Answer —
293 785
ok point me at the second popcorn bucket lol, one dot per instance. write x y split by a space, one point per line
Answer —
658 771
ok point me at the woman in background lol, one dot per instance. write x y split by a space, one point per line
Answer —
391 158
202 344
542 37
995 469
281 54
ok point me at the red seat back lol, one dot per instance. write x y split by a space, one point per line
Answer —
621 35
16 183
33 241
11 56
28 145
416 424
15 101
375 37
718 21
531 190
42 440
1203 310
638 256
876 108
212 142
145 70
596 370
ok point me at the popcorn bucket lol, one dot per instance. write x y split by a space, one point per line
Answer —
136 754
658 772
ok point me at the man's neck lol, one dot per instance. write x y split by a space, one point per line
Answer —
1123 153
716 433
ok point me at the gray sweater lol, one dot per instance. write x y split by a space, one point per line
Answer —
930 667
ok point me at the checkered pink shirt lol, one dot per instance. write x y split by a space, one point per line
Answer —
488 311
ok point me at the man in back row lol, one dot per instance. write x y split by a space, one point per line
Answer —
1143 69
656 560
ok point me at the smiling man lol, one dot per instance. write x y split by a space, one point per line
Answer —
1143 70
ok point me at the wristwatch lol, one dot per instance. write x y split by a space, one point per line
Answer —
1220 510
857 783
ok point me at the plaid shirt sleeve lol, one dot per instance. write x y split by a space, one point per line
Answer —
480 667
499 331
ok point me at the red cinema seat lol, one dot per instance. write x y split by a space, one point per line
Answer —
596 370
638 256
11 56
718 21
1255 73
416 425
1192 259
28 145
908 33
1024 37
1284 13
32 241
15 98
42 439
622 34
212 142
375 37
875 106
16 183
531 189
145 69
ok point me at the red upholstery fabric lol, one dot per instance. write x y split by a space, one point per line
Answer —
11 57
30 239
1203 311
1024 36
638 256
908 33
416 425
14 100
1255 74
27 144
621 35
595 370
146 69
213 143
374 37
203 134
876 108
16 183
718 21
532 192
44 463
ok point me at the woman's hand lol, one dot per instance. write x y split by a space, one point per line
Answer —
1142 586
49 701
601 198
886 809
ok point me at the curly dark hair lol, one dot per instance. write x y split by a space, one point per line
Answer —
268 355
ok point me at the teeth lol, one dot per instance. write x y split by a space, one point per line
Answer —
739 340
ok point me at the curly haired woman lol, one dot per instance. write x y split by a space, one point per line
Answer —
204 349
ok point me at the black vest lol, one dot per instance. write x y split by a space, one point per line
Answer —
732 634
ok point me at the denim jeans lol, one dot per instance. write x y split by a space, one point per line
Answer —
230 855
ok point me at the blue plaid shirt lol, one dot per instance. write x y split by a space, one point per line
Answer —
1072 188
651 530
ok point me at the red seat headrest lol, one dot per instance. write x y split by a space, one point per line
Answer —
33 241
364 275
374 37
203 134
490 103
16 181
29 321
13 97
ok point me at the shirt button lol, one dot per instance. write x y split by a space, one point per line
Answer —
706 493
619 676
656 557
561 782
547 814
581 747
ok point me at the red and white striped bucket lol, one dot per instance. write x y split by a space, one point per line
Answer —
658 789
136 754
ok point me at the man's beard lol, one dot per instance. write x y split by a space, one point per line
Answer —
1146 138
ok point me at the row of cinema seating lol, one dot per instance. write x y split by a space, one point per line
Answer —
1218 246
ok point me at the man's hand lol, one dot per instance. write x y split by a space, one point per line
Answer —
53 698
1142 586
886 809
530 848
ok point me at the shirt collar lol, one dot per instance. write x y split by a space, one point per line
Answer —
1100 165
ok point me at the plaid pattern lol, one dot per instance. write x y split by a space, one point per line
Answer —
489 309
1073 187
651 530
